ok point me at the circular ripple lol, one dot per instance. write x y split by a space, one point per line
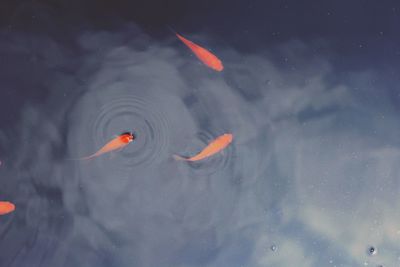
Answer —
210 165
133 114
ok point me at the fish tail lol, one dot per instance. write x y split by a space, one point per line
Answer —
84 158
177 157
78 159
72 159
171 29
87 158
176 33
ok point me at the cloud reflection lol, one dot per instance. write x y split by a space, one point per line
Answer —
307 171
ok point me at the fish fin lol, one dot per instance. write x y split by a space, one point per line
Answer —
74 159
177 157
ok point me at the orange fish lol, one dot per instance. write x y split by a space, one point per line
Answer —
214 147
117 143
6 207
204 55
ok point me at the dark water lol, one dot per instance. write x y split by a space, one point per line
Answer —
311 178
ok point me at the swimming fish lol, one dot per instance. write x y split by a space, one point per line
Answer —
117 143
6 207
205 56
214 147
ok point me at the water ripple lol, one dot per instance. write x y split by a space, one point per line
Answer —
132 113
208 166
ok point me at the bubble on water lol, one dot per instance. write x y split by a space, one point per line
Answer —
371 250
273 248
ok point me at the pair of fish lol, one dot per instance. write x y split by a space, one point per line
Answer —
213 62
124 139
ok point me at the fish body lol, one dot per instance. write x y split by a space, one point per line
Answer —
117 143
214 147
205 56
6 207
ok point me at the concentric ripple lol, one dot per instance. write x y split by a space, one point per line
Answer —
210 165
133 114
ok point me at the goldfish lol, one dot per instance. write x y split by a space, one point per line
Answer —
214 147
117 143
6 207
205 56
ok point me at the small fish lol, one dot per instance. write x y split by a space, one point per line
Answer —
214 147
205 56
117 143
6 207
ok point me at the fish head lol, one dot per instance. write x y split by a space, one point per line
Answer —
127 137
228 137
217 65
6 207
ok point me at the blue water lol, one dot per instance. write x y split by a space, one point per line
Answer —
310 179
